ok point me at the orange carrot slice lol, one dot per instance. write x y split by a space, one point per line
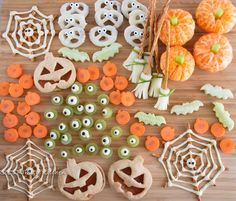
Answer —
25 131
40 131
106 83
167 133
127 98
16 90
109 69
23 108
201 126
32 118
32 98
121 83
7 106
217 130
14 70
10 120
227 145
11 135
137 129
83 75
152 143
26 81
115 97
122 117
4 88
94 72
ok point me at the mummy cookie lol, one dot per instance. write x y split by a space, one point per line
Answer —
75 8
137 18
107 4
103 36
133 35
67 21
128 6
73 37
105 17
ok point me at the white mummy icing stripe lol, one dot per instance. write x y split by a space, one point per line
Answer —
107 4
76 20
73 37
128 6
103 36
104 17
133 35
137 18
75 8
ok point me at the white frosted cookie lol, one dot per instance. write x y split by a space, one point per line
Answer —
104 17
73 37
75 8
67 21
137 18
133 35
103 36
107 4
128 6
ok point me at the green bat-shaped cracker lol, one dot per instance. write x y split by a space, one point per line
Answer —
74 54
150 119
186 108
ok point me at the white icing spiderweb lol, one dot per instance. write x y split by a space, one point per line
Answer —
191 162
29 33
30 170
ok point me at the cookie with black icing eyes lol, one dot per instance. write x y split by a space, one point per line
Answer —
104 17
67 21
72 37
75 8
107 4
103 36
133 35
137 18
128 6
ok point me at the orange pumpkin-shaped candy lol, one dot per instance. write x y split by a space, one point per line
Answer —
181 63
216 16
182 27
213 52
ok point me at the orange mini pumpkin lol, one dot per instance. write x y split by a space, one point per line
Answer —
182 27
181 63
213 52
216 16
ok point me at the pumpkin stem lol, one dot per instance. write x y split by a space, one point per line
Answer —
180 59
215 48
174 21
218 12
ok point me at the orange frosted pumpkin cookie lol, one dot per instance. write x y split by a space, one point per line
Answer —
216 16
182 27
213 52
181 63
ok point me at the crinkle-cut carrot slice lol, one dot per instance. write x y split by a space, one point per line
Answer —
14 71
7 106
16 90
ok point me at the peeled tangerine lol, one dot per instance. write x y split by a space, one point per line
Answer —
213 52
181 63
181 29
216 16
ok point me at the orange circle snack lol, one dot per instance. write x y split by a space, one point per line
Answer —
181 29
216 16
213 52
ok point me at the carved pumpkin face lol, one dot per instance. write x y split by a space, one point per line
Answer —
54 72
81 181
130 178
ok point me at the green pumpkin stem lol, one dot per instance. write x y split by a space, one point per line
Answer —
174 21
219 12
215 48
179 59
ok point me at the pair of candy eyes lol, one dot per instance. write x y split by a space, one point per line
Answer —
136 33
74 4
108 2
108 14
69 20
104 30
71 33
134 4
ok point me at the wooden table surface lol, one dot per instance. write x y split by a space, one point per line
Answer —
185 91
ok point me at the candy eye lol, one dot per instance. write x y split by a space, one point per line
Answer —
57 100
62 127
100 125
105 14
123 152
106 140
50 114
92 148
116 132
136 33
66 34
141 33
66 139
79 109
49 144
67 20
54 134
107 112
104 30
76 124
85 133
90 89
133 141
99 30
72 100
142 16
77 88
78 150
64 153
71 19
67 111
110 15
71 32
87 122
106 2
133 4
103 99
106 152
77 5
71 4
90 108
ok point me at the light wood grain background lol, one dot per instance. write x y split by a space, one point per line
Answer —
185 91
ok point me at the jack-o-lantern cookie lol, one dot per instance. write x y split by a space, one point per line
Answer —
103 36
128 6
104 17
54 72
67 21
81 181
130 178
72 37
137 18
133 35
107 4
75 8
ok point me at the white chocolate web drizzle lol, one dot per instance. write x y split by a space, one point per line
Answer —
191 162
29 170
